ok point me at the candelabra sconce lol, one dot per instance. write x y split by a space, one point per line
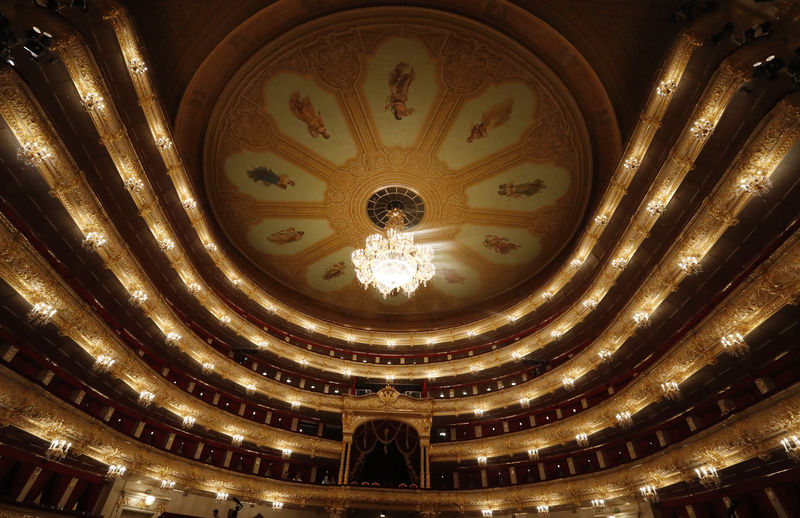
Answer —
262 345
708 476
429 341
33 153
168 484
649 494
756 183
590 304
138 297
486 513
93 241
481 460
547 296
236 439
524 402
146 398
735 345
208 368
569 383
619 263
189 204
690 265
516 357
598 504
471 334
115 471
193 288
605 356
575 264
134 184
137 66
556 334
172 338
93 101
222 496
163 143
250 389
475 369
271 309
188 422
624 420
286 453
665 88
41 313
58 449
295 405
303 362
543 509
166 244
103 364
533 454
582 439
702 128
670 390
791 445
601 220
656 207
277 505
641 318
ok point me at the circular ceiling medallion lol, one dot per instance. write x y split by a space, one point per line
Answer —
395 197
472 134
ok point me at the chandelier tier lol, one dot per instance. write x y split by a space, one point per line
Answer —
392 263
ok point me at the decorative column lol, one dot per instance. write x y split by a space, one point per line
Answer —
344 462
424 463
345 445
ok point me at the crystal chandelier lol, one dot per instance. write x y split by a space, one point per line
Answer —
392 262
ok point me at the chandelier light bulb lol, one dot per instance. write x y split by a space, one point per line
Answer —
656 207
41 313
392 263
94 240
93 101
735 345
115 471
624 419
670 390
708 476
689 265
641 318
58 449
756 183
649 493
665 88
146 398
791 445
33 153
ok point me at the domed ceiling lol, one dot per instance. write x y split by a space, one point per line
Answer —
414 100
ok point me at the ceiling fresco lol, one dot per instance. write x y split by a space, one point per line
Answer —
343 106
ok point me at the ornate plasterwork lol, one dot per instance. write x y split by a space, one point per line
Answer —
388 404
775 138
752 433
656 106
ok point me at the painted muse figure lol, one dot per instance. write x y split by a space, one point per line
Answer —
495 116
304 110
400 79
269 177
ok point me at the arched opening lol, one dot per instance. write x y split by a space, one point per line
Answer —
385 454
